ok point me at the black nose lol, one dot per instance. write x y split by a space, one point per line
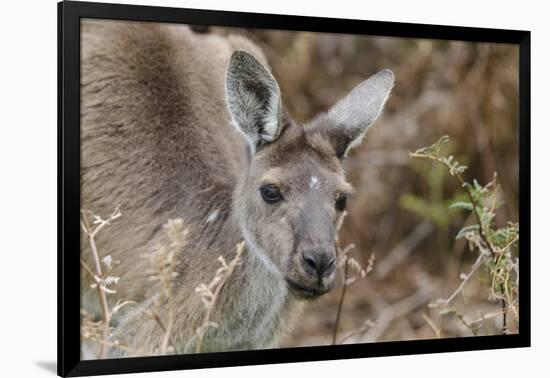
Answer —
318 263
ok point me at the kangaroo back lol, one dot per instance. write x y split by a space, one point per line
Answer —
155 133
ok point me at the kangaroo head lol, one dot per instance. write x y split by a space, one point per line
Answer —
294 190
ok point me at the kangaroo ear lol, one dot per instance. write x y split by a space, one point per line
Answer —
347 122
253 99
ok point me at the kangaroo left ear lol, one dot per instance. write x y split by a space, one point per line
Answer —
253 99
347 122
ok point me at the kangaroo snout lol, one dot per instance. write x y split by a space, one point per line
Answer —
314 274
318 263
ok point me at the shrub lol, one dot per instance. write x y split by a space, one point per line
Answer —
496 246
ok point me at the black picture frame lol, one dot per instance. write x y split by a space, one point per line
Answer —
69 15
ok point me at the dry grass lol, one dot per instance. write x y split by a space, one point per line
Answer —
162 264
210 294
162 270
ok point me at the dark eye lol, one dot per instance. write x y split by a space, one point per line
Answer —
271 193
341 201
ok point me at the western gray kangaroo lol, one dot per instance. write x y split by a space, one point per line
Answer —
182 125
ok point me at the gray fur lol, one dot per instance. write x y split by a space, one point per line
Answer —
156 139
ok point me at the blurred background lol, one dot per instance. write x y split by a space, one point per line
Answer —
400 213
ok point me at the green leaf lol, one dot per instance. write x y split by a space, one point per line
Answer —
466 229
462 205
435 148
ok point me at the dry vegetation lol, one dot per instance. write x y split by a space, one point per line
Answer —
446 259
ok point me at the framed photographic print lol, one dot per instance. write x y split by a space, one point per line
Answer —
239 188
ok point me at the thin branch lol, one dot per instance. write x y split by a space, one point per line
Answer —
395 311
105 312
162 269
167 338
359 331
221 277
436 330
345 261
168 330
504 325
87 268
465 279
340 302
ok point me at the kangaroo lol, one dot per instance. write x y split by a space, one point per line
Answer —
176 124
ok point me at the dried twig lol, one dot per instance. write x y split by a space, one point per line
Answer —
367 324
340 304
162 269
101 281
210 294
395 311
432 325
167 332
90 330
346 262
465 277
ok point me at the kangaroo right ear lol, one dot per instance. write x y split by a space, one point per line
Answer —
346 123
253 99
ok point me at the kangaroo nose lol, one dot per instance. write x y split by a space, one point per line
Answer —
318 263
